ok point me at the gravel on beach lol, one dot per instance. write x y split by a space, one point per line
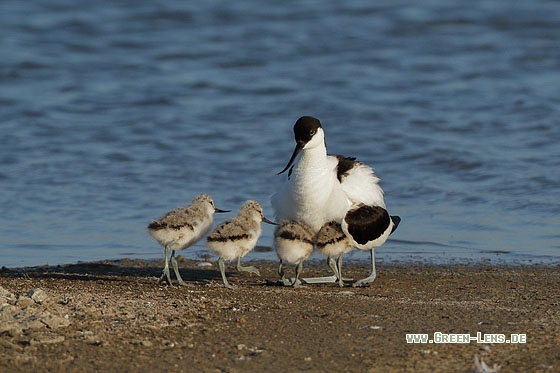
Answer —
116 316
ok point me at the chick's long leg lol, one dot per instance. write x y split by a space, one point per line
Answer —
333 266
223 272
167 249
249 269
315 280
299 268
176 268
339 268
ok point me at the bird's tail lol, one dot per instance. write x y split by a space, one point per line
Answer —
396 221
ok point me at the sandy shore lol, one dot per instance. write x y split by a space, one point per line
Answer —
115 316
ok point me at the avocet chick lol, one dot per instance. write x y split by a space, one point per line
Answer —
235 237
181 228
293 242
333 243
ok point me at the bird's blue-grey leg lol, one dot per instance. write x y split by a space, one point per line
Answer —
368 280
176 268
315 280
299 268
249 269
336 266
323 280
223 272
339 270
332 265
166 267
287 281
319 280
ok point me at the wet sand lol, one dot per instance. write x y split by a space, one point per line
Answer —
115 316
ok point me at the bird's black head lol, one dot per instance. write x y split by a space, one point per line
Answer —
305 128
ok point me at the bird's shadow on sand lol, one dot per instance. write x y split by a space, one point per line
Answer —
114 270
192 272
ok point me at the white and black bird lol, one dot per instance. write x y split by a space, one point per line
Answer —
322 188
181 228
294 242
236 237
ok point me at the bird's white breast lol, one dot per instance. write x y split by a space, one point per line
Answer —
313 194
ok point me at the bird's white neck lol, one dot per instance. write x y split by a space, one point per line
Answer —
313 160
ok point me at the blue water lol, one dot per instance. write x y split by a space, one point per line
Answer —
113 112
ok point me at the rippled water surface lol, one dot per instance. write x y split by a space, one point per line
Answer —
113 112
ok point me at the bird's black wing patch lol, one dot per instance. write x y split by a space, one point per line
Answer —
156 225
345 164
221 238
287 235
367 223
159 225
333 240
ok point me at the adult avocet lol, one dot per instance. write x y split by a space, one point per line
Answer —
322 188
